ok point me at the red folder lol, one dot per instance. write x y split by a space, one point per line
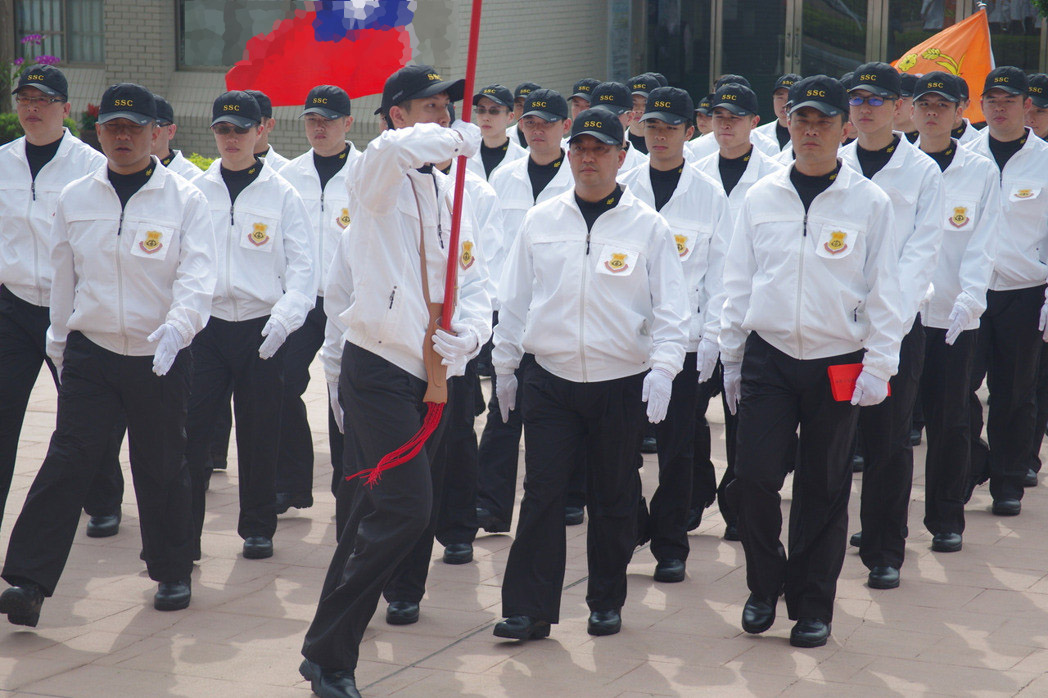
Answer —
842 381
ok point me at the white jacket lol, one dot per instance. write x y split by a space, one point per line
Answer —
120 274
184 167
27 209
274 159
970 218
593 306
328 208
706 145
1023 237
374 293
786 156
784 281
514 152
634 159
768 131
700 220
969 135
760 165
489 224
913 182
265 251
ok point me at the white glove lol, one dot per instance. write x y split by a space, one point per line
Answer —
169 343
960 318
275 335
869 390
471 138
506 393
732 384
706 359
1043 324
657 389
456 349
336 408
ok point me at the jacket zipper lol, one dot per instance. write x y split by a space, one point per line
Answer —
229 264
320 231
392 295
120 276
582 308
800 289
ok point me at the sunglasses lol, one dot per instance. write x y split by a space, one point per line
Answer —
23 100
226 129
494 111
872 100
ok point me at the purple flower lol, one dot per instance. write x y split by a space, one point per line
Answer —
19 61
32 39
47 60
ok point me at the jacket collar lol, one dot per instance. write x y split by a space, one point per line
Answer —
214 172
156 180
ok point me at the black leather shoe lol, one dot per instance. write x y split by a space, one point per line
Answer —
694 518
758 614
1030 480
915 437
1007 507
669 571
858 463
103 526
604 623
810 632
573 516
856 540
489 523
946 542
258 547
731 532
287 500
458 554
401 613
22 604
521 628
883 577
329 684
172 596
649 445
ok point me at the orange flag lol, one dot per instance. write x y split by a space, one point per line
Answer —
963 49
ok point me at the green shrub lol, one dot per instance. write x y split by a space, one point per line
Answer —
10 129
201 161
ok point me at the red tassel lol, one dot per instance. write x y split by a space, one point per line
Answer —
409 450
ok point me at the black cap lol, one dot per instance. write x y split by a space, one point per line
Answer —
46 78
238 108
785 82
907 83
600 123
643 84
878 78
663 82
613 96
1038 89
819 92
738 99
127 100
524 89
330 101
962 86
703 107
545 104
165 113
846 79
732 77
265 104
669 104
584 88
1007 78
497 94
939 83
416 82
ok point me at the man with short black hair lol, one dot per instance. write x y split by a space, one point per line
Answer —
493 111
733 108
173 160
264 149
640 86
777 129
616 98
581 94
519 95
903 115
1037 116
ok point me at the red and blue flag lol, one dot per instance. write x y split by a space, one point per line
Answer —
355 44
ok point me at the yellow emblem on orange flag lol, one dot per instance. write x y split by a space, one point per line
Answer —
963 49
467 258
682 244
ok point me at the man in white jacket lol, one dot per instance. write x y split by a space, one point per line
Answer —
266 287
811 281
777 130
493 112
173 160
593 288
132 250
382 278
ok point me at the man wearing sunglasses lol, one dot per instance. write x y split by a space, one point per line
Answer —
132 248
493 110
266 287
33 171
914 185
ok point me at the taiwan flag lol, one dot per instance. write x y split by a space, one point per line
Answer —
355 44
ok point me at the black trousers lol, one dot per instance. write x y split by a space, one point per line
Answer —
705 487
944 390
1042 412
226 354
1008 353
888 474
23 337
98 389
560 417
675 435
295 462
778 394
384 405
457 517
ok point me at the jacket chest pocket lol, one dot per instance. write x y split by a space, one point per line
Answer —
1022 191
617 260
152 241
836 242
960 214
690 238
257 231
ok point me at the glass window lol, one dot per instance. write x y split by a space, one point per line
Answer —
678 43
753 45
834 36
214 32
72 29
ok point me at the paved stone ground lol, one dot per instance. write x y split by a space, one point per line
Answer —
972 623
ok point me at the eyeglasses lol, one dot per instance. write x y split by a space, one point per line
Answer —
117 128
25 101
872 100
226 129
494 111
